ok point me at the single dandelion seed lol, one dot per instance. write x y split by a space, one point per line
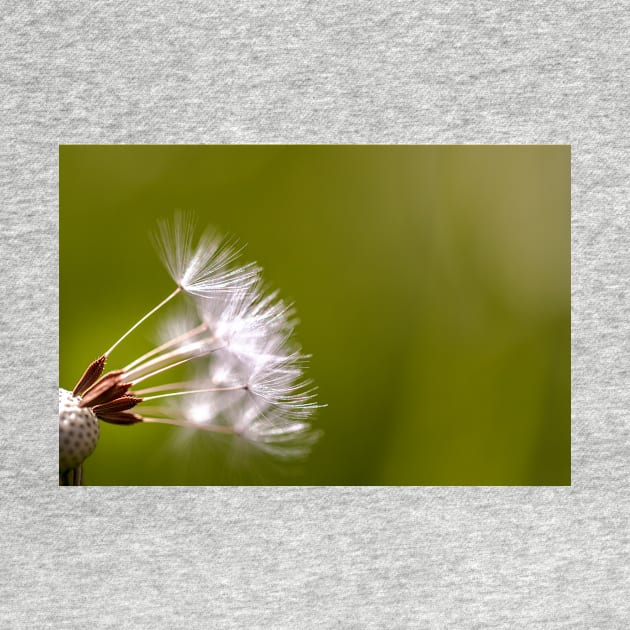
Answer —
249 373
205 269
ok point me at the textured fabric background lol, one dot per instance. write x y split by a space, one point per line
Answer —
207 72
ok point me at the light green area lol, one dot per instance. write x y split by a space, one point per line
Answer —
432 285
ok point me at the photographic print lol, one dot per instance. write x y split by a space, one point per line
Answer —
314 315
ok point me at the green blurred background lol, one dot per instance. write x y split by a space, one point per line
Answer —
432 284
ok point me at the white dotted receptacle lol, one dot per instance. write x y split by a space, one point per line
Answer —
78 431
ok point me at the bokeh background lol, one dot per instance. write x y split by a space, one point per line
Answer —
432 284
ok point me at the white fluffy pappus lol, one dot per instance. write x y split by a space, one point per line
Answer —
252 383
206 268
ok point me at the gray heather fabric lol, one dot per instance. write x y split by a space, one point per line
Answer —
206 72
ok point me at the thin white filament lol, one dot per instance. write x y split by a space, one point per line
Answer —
170 386
168 367
164 369
143 319
196 391
195 349
214 428
167 345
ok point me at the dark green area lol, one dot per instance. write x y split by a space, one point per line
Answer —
432 284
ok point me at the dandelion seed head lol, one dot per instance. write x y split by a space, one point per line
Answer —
247 380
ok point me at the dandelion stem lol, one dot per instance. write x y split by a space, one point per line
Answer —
171 386
168 367
193 425
194 349
159 306
165 346
197 391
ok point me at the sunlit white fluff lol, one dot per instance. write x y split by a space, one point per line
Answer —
274 429
255 382
249 321
204 268
256 334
